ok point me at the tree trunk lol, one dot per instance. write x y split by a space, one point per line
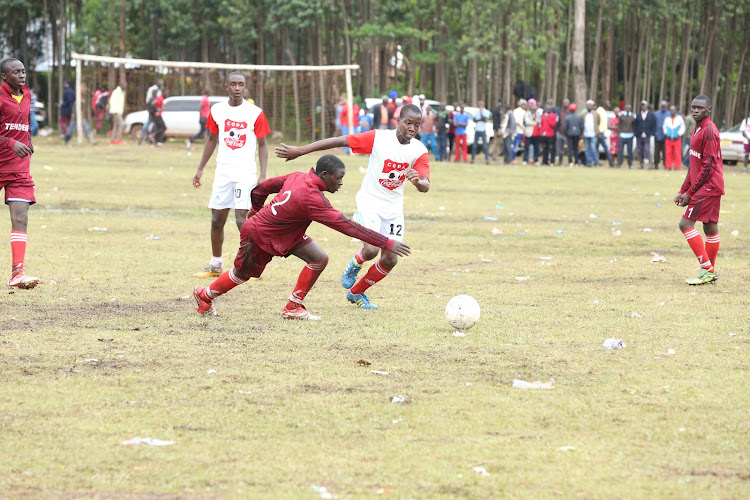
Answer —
597 46
731 111
663 82
568 50
675 60
637 78
295 90
647 66
579 54
347 38
685 66
709 53
472 81
609 51
123 9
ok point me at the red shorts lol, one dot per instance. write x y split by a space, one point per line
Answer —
747 147
19 186
251 260
703 209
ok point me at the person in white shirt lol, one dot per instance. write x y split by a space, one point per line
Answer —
395 158
591 125
146 126
673 128
745 130
116 111
238 128
481 117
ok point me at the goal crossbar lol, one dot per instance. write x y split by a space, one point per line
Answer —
347 68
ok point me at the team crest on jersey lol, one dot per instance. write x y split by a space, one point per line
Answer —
236 134
393 174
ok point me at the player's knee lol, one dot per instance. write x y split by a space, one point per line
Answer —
685 224
19 218
241 274
389 260
370 253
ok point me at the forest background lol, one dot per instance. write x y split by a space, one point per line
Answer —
452 51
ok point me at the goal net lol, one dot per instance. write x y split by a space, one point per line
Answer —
298 101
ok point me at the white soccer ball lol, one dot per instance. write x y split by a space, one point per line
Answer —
462 312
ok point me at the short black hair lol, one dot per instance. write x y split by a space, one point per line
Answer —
329 163
411 108
240 73
703 98
6 62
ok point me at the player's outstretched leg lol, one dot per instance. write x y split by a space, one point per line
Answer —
376 273
295 309
352 270
205 296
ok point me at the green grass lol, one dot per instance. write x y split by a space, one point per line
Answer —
288 406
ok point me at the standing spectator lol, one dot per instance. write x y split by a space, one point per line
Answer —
530 123
382 115
590 131
745 129
344 119
460 120
66 107
156 87
562 141
72 129
547 126
422 104
340 105
481 116
392 102
364 122
15 164
442 132
673 129
572 129
32 113
603 127
400 102
452 111
625 132
614 137
659 138
520 115
427 131
644 127
508 130
497 120
117 110
205 109
159 126
101 100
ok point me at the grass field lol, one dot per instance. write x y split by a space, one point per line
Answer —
288 409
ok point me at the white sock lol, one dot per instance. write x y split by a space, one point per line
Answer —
217 262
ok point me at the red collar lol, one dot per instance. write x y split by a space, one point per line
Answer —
6 88
708 118
317 181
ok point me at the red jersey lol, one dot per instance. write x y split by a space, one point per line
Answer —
159 103
205 106
706 174
344 115
547 125
14 127
281 225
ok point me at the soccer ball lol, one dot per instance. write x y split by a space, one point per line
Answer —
462 312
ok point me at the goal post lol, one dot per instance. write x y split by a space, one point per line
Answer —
306 93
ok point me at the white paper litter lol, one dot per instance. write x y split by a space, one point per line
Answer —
635 315
521 384
148 441
211 371
481 470
522 278
566 448
735 233
459 334
657 258
613 343
670 352
378 372
486 260
496 232
398 399
616 232
593 216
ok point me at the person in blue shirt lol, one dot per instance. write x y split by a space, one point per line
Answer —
460 121
659 137
481 117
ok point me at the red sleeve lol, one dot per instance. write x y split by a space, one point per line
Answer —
422 166
211 124
7 143
361 143
261 126
259 194
707 160
324 213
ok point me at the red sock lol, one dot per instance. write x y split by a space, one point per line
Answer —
307 278
360 256
376 273
223 284
18 249
695 241
712 247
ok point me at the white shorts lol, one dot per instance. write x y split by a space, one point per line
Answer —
226 194
392 227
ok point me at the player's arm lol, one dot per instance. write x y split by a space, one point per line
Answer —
208 150
292 152
321 211
419 174
262 158
260 192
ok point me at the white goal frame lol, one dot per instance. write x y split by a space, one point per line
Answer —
80 58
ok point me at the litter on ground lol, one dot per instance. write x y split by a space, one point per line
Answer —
566 448
481 470
657 258
496 232
613 344
521 384
398 399
635 315
148 441
459 334
492 219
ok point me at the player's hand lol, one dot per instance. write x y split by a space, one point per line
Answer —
250 213
261 178
401 249
412 176
677 199
288 152
197 179
684 200
21 149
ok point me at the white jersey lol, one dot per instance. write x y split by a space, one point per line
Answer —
238 128
382 189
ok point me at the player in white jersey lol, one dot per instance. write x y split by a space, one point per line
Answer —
395 157
239 128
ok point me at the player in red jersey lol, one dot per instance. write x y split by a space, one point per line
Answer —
278 230
702 190
15 163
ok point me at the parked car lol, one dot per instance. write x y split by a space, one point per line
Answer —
732 145
181 116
